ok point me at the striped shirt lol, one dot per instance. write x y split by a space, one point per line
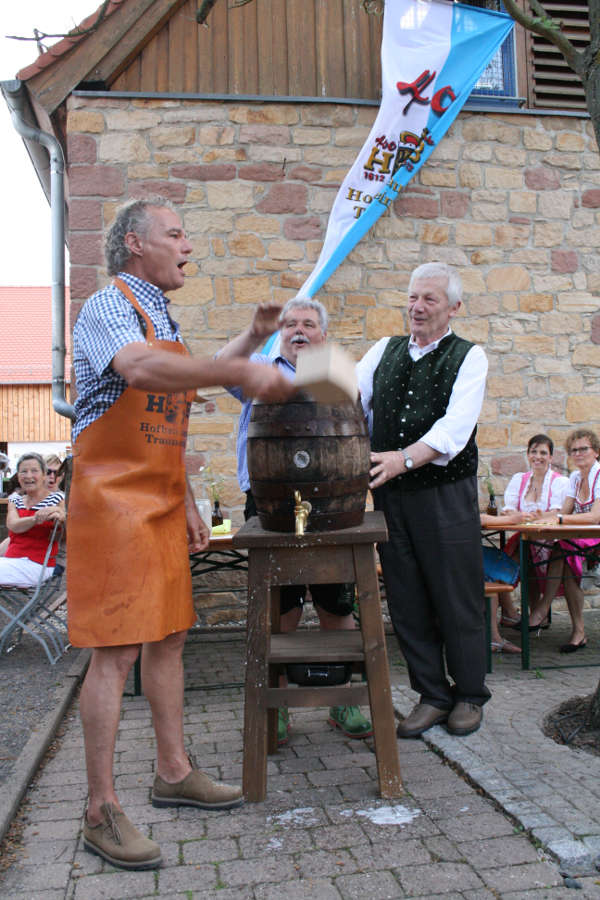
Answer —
52 499
107 323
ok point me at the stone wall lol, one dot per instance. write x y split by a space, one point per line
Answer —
513 200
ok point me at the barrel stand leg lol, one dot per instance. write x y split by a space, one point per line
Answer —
272 713
378 678
254 778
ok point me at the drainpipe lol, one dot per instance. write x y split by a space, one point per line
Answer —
15 96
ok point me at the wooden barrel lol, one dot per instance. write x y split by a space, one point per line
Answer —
319 450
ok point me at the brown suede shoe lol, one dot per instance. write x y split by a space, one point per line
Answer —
117 840
464 718
196 789
421 719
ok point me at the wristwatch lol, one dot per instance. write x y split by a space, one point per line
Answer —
409 462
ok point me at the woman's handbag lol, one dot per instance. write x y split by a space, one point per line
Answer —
498 566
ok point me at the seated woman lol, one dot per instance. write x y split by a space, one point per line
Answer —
54 472
580 507
30 518
528 497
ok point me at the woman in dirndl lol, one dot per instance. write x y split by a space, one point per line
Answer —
580 507
529 496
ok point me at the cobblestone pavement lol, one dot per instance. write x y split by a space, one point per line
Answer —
323 833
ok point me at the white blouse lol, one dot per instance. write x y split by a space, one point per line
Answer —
575 481
554 491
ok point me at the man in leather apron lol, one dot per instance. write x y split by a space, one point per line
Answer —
132 519
422 394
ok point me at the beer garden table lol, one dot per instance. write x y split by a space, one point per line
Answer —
537 533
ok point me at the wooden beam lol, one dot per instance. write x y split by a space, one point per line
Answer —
105 52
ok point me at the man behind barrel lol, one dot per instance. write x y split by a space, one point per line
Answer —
423 393
302 323
132 517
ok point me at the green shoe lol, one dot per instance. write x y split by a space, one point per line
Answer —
283 725
351 721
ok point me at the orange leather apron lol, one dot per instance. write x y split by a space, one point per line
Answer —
128 570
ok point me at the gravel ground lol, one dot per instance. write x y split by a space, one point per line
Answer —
29 686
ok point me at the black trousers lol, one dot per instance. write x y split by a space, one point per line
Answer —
433 573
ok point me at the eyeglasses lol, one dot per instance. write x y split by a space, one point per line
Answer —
575 450
52 473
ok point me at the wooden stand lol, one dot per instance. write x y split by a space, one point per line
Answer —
275 559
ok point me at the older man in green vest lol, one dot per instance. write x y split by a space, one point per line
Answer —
422 394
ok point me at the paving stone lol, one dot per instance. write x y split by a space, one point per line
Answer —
501 851
518 878
439 878
249 871
464 828
304 889
209 851
369 886
35 878
187 878
391 855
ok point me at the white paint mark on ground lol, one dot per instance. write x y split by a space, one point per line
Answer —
385 815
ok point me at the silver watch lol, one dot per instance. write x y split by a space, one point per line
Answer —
409 462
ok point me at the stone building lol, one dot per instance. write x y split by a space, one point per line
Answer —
237 124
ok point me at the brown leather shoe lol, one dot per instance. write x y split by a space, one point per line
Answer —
196 789
118 840
464 718
421 719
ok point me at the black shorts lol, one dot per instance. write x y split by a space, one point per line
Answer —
336 599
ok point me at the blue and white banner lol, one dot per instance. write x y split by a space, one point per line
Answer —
432 54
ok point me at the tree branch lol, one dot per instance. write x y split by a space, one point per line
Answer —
543 24
39 36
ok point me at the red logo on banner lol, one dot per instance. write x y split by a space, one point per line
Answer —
419 84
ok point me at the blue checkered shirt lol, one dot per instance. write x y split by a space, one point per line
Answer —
287 369
106 324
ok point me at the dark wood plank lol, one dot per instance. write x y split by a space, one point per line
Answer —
272 48
301 41
338 695
316 646
190 47
378 678
254 776
243 48
162 61
176 30
373 529
330 74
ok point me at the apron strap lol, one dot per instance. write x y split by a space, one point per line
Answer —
128 293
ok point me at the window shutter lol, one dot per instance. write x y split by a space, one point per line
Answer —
555 85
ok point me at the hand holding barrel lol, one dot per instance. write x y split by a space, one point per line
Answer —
385 466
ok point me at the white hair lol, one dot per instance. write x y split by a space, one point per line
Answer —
306 303
440 270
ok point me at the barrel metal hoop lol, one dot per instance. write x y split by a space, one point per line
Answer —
314 428
310 489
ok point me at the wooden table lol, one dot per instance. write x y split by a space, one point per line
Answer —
326 557
530 534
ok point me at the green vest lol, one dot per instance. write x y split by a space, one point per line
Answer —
409 397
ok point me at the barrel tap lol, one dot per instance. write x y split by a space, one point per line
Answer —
301 512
